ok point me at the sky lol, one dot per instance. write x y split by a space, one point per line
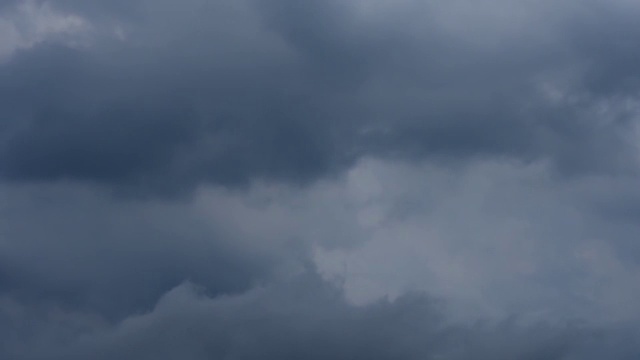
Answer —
319 179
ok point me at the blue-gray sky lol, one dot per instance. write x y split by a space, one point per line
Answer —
355 179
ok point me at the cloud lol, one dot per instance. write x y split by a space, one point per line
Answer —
492 242
30 24
281 91
494 238
341 179
80 250
306 318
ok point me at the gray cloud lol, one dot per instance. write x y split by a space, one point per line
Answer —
503 142
306 318
494 238
286 91
80 250
84 281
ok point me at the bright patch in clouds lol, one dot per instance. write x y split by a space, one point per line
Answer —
33 22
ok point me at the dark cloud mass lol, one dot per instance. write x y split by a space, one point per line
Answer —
337 179
288 91
306 318
83 251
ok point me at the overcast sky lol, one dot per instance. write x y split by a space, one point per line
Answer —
319 179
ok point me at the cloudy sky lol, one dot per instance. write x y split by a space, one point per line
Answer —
319 179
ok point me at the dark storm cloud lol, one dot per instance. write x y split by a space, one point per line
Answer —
304 318
76 122
80 251
159 97
208 92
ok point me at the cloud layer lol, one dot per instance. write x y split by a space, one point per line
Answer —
303 318
223 94
416 179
